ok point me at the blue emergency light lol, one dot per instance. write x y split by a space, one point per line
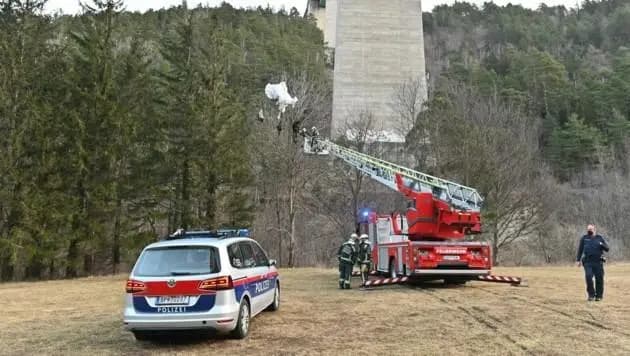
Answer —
231 233
364 215
234 232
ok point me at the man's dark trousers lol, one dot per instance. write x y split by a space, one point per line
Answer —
594 269
346 272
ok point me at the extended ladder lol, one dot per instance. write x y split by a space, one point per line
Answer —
459 196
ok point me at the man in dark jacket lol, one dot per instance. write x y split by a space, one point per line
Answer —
590 251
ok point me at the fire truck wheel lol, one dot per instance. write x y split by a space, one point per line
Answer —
392 268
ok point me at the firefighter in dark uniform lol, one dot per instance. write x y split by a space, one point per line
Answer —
314 136
590 255
346 255
364 258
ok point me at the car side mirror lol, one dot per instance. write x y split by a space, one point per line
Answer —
272 262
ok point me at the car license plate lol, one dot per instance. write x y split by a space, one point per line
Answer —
451 258
175 300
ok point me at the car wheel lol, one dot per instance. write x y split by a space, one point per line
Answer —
242 326
275 305
392 269
143 335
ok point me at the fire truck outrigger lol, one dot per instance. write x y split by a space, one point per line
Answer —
427 241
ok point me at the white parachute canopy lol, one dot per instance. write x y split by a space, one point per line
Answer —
280 93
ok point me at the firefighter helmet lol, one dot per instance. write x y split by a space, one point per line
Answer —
364 237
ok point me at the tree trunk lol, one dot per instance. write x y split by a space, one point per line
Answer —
185 197
210 207
35 267
51 269
73 254
292 214
278 221
355 201
6 268
116 240
80 230
13 220
355 210
495 247
292 240
543 247
88 264
355 190
172 216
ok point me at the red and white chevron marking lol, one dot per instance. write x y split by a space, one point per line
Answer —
500 279
385 281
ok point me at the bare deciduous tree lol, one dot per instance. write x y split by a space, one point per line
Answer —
603 202
407 101
340 193
490 146
361 132
282 170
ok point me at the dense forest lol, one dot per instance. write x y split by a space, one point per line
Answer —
571 68
532 107
119 127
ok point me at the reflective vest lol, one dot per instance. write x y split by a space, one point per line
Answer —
347 252
365 252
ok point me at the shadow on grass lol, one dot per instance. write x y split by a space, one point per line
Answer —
185 337
434 285
415 284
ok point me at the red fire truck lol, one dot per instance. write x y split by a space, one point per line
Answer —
428 241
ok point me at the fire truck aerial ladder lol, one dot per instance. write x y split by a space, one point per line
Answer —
443 209
427 241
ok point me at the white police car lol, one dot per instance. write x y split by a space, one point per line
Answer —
200 280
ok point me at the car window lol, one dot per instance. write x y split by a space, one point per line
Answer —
261 257
236 258
249 260
178 261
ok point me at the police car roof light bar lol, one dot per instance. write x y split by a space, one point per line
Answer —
218 234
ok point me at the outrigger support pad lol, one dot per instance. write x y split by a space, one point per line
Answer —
514 281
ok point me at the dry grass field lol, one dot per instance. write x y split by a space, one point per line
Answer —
550 317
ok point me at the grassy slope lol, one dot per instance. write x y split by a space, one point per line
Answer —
550 317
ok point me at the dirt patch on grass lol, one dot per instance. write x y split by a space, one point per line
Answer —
550 317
